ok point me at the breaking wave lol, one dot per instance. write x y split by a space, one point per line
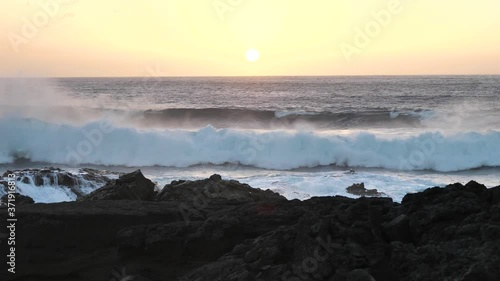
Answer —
102 143
253 118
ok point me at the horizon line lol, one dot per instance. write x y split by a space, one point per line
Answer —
256 76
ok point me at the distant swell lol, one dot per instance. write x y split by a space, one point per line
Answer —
52 143
248 118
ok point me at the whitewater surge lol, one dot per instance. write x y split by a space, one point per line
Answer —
50 185
103 144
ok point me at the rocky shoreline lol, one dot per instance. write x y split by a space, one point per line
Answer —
217 229
73 185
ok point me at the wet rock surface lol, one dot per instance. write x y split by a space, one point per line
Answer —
214 188
132 186
223 230
360 190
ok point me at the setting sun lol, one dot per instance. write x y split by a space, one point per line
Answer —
289 37
252 55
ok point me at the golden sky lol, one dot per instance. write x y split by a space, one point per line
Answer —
211 37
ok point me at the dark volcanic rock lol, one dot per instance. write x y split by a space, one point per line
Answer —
450 233
215 188
97 175
398 229
26 180
19 199
7 173
66 180
132 186
360 190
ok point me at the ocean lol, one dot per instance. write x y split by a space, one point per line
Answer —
299 136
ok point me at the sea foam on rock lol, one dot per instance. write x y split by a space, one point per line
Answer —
36 182
450 233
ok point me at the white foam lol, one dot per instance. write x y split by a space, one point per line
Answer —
50 191
307 183
291 184
281 150
46 193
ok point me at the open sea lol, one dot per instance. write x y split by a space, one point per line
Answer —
299 136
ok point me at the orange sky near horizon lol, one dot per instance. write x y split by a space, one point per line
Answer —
70 38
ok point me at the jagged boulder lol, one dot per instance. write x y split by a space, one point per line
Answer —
132 186
215 188
360 190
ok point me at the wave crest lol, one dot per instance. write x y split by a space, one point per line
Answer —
103 144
